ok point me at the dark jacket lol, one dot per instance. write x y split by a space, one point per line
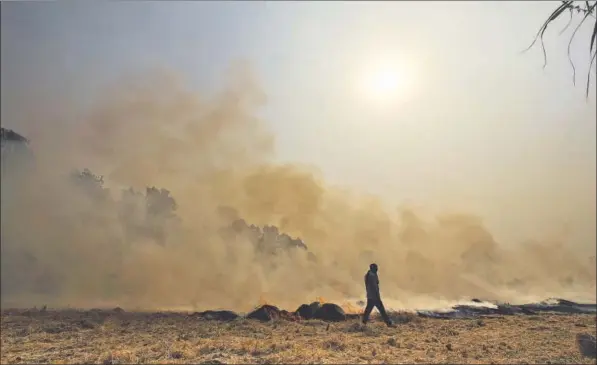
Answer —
372 285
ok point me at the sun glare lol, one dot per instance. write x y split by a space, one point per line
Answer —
385 83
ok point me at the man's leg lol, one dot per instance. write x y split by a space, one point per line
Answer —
368 309
382 311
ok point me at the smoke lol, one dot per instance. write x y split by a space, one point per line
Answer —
60 247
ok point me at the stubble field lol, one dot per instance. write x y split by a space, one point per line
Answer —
112 337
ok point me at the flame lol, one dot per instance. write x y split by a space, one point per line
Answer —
351 309
347 306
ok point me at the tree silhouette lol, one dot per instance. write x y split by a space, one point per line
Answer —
15 150
10 135
149 215
160 203
91 183
152 213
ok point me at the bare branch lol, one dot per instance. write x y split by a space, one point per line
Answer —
569 22
589 73
556 13
588 10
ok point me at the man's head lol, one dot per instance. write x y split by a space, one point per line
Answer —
373 267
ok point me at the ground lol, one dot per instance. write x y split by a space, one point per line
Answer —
108 337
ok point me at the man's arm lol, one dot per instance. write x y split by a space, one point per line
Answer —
377 287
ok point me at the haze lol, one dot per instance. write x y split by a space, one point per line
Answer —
257 105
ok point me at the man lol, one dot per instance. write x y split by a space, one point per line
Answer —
373 296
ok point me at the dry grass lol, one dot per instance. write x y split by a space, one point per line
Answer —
111 338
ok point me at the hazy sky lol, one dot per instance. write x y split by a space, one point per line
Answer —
479 126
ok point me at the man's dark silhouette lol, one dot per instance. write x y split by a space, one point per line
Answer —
373 296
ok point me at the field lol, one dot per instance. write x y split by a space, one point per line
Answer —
111 337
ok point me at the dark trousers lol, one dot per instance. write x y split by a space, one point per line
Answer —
379 305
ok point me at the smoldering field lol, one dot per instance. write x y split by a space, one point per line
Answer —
61 248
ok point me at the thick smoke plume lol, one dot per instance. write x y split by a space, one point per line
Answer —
64 244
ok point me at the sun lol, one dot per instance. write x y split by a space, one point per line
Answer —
385 82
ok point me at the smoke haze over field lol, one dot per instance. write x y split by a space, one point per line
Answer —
212 152
479 184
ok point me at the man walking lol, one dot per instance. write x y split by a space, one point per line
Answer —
373 296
